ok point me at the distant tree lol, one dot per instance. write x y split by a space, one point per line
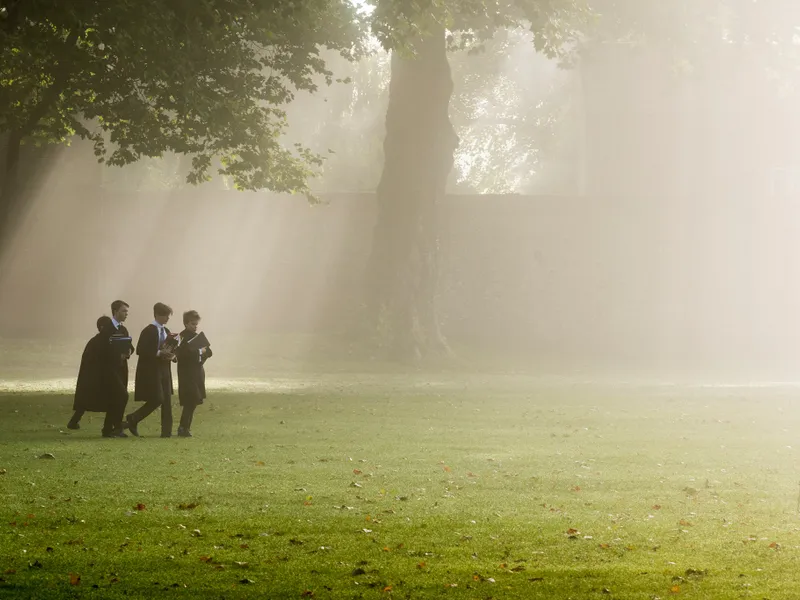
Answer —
140 78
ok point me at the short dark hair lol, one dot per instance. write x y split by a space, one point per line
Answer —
104 322
161 310
117 304
190 315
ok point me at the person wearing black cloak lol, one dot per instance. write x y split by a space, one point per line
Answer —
154 373
191 372
122 349
88 377
103 375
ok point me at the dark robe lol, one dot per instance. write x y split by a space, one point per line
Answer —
191 372
102 376
153 374
119 368
91 391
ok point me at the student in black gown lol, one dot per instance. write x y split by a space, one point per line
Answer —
191 372
90 394
112 427
154 373
103 375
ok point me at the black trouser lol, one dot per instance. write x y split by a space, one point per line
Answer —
76 417
186 416
113 421
162 401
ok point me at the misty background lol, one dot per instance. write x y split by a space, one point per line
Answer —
634 214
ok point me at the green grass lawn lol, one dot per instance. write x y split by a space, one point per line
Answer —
402 490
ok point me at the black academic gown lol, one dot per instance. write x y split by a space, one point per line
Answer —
191 372
153 374
102 376
119 369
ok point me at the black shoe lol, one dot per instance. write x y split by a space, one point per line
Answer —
72 425
184 432
166 435
114 434
131 426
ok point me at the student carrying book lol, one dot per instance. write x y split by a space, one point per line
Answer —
192 353
154 373
103 376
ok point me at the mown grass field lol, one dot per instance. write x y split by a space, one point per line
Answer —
400 489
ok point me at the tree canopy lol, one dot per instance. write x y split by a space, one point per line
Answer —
140 78
556 25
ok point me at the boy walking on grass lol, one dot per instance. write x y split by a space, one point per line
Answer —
154 372
191 372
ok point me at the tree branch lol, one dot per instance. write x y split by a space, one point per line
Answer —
52 93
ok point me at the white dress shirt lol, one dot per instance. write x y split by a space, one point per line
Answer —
162 333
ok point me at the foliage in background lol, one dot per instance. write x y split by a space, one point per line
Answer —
209 79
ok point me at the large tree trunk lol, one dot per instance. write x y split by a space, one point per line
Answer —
418 156
10 193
